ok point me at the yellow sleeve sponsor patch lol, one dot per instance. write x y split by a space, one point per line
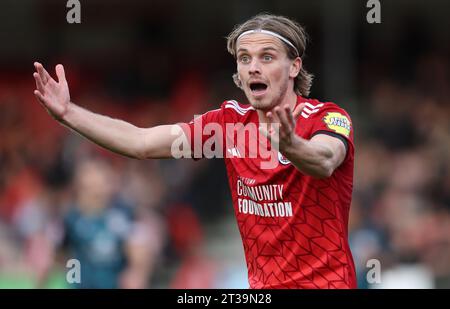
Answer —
338 123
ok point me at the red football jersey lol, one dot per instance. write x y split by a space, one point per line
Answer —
294 227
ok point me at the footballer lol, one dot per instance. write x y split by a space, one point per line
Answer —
293 214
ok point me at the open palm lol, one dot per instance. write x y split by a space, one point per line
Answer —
53 95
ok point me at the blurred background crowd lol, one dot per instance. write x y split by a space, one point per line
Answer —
170 223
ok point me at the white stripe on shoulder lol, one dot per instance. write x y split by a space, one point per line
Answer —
313 106
235 109
310 109
305 115
307 110
235 105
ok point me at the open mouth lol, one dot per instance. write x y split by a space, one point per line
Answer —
258 88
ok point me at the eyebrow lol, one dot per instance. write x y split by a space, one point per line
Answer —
264 49
270 48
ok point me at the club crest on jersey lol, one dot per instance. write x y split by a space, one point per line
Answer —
338 123
282 159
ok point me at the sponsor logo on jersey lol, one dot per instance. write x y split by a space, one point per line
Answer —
338 123
263 200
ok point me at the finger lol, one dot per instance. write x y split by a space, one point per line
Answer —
47 78
284 128
39 96
38 81
274 124
281 113
60 73
268 134
298 110
273 116
270 117
42 73
290 116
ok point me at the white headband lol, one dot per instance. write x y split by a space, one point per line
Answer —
269 33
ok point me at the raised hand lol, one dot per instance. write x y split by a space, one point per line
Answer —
53 95
281 127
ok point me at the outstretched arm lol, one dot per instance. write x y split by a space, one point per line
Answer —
113 134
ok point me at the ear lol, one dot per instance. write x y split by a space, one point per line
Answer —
237 80
296 66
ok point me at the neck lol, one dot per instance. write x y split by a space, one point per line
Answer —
289 99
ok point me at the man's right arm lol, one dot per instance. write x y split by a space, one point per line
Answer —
113 134
122 137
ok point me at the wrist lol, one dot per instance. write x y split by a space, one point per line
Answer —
67 116
291 148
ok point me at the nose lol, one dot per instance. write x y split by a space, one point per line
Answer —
254 67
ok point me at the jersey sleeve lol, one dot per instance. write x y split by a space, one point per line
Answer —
334 121
204 129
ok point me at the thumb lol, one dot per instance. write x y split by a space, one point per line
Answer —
60 73
298 110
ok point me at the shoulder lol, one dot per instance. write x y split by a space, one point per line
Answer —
326 116
314 108
234 106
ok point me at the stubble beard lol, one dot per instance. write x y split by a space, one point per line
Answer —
264 104
269 102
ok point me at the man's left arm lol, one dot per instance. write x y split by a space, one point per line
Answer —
317 157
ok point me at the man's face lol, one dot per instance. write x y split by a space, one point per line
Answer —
265 71
94 184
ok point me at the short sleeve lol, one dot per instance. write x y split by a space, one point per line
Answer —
201 129
334 121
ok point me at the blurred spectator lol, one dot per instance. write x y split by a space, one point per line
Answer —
100 231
